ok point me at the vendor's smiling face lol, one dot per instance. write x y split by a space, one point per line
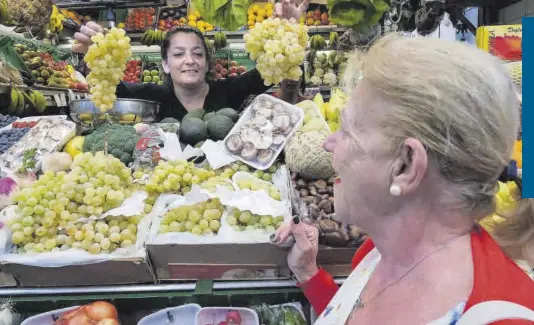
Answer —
187 60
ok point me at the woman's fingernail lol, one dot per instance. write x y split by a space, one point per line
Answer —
296 220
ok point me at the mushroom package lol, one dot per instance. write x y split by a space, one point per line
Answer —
262 131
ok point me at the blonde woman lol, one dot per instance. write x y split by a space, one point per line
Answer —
428 130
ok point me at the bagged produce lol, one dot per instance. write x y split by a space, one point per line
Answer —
287 314
146 152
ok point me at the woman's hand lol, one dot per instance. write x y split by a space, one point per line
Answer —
302 259
288 9
84 36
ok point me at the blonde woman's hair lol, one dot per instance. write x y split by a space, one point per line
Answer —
457 100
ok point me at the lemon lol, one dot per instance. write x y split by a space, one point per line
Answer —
200 24
192 18
261 13
192 23
75 146
255 8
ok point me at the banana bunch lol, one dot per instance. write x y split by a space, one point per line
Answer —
210 45
4 15
153 37
317 42
23 102
56 21
220 40
333 40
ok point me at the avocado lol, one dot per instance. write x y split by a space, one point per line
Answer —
208 116
197 113
219 126
192 131
230 112
169 120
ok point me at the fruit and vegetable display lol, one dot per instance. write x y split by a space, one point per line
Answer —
50 209
258 12
151 74
228 69
316 17
172 16
25 102
200 219
96 313
133 71
30 12
195 19
176 176
286 314
120 141
278 46
357 14
107 58
11 136
47 71
55 24
246 220
153 37
262 131
198 126
139 19
327 68
6 120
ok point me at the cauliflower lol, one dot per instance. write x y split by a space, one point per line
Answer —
121 141
318 72
330 79
322 57
316 80
316 64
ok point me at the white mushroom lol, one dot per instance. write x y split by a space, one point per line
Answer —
264 141
278 139
248 134
279 109
265 156
249 151
282 122
234 144
263 113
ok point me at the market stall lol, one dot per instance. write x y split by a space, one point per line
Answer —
101 200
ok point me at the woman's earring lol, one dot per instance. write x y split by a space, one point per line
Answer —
395 190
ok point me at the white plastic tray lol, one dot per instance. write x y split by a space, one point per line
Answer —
247 115
181 315
47 318
215 315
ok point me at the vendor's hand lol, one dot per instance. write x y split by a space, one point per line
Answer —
84 36
288 9
302 259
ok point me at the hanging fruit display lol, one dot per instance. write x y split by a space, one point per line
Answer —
196 21
315 18
172 16
29 12
220 40
56 21
153 37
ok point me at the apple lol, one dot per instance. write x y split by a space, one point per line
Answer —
154 73
224 72
147 79
233 69
233 64
146 73
155 78
241 69
218 67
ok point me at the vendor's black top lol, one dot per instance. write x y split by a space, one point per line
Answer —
230 92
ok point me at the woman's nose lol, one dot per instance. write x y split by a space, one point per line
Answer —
329 143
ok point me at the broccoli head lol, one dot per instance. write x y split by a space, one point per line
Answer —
121 141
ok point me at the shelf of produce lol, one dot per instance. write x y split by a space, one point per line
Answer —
104 4
237 36
53 95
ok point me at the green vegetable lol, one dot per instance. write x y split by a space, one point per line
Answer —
28 160
230 112
227 14
197 113
192 131
121 141
357 14
219 126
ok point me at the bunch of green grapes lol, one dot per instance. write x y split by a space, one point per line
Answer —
279 47
256 184
211 183
200 219
107 58
230 170
246 220
95 184
96 237
150 201
176 176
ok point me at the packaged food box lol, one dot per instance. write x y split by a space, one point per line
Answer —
503 41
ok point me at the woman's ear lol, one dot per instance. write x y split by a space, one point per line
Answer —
165 66
410 167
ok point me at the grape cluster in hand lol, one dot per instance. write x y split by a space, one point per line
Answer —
9 137
5 120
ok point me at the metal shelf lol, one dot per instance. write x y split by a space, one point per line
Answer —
150 289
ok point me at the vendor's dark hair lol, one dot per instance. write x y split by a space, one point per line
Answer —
188 30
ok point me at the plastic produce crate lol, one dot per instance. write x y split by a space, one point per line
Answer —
185 314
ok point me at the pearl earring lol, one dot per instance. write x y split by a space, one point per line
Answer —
395 190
